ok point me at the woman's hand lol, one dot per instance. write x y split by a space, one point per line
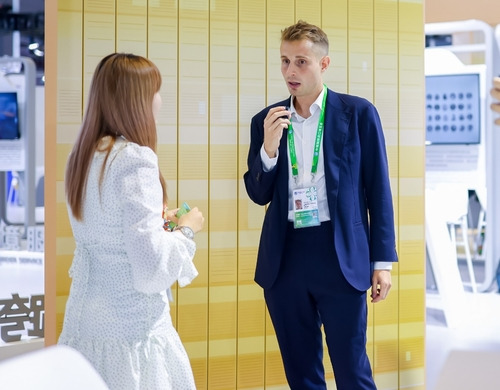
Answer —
169 215
193 219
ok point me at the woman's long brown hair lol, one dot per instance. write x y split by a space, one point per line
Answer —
120 103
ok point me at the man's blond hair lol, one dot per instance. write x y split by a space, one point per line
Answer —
303 30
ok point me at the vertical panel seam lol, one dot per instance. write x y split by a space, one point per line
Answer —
177 129
209 42
237 186
266 86
147 28
399 184
116 26
82 104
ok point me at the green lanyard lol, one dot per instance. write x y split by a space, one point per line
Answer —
317 143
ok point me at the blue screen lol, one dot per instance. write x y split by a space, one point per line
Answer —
9 116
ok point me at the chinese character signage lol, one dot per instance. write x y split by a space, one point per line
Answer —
21 316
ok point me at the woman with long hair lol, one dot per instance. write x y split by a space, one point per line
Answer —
117 314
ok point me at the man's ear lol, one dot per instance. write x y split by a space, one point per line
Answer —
325 63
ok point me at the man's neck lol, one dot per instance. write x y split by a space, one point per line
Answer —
303 104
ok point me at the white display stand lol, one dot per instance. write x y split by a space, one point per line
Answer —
453 169
19 155
439 246
497 37
466 167
14 211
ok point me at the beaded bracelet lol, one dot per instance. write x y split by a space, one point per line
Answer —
166 221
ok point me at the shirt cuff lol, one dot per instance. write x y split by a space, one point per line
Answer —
382 265
268 163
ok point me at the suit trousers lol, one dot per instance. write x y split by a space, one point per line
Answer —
310 292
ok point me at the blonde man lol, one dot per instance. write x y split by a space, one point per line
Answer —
315 263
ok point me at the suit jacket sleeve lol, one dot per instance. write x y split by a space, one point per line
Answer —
376 182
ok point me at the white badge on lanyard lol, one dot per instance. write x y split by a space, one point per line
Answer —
305 207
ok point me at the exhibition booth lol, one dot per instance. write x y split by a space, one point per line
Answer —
21 209
462 162
461 189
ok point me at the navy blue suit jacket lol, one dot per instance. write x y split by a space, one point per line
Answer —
358 190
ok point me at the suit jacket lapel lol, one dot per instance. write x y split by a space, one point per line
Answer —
283 166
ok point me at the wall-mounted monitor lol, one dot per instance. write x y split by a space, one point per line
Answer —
453 109
9 116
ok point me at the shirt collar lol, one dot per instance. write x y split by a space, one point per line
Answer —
314 107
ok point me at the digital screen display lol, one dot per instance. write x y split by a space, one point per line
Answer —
9 116
453 114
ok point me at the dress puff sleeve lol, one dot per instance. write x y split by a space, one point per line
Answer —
158 258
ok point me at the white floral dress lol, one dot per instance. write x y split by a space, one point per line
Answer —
117 314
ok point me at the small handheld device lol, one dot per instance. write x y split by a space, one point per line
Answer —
286 116
184 209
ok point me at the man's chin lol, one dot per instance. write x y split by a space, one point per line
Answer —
293 90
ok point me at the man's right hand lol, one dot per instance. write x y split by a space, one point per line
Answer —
277 119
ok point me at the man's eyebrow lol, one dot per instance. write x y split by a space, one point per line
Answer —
299 56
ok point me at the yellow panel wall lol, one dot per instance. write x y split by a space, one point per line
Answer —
411 173
384 331
220 65
251 316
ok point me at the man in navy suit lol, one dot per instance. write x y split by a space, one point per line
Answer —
318 160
